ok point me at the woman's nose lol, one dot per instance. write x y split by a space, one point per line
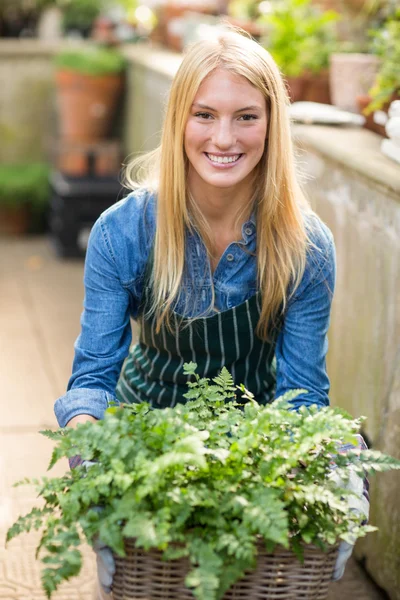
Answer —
224 134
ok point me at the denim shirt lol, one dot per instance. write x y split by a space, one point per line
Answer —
118 249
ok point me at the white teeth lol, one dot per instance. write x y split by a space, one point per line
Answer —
223 159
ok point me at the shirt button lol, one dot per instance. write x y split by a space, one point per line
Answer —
230 257
248 231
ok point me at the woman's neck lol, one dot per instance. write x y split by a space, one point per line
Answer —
222 206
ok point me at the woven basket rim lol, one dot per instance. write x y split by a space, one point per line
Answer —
259 542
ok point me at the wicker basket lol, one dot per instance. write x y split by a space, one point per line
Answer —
144 575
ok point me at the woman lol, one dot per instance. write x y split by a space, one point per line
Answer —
217 254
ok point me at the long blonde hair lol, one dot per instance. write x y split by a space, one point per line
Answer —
278 201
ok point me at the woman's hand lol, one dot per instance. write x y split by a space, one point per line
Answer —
75 461
104 556
105 565
358 503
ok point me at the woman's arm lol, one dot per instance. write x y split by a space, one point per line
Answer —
302 343
105 335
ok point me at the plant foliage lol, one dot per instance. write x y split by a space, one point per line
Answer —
25 184
206 479
386 45
300 36
92 60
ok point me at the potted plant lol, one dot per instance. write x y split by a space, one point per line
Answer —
245 14
386 87
213 494
300 37
89 83
79 15
24 196
352 70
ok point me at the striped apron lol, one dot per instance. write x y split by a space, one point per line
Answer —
153 370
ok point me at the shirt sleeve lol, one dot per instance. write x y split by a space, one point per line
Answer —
105 334
302 343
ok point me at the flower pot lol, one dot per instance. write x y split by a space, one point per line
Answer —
309 87
351 75
86 105
143 574
249 25
362 103
317 88
376 120
101 159
14 220
170 29
296 87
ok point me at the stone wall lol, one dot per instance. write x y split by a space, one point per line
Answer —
356 191
148 82
26 100
28 124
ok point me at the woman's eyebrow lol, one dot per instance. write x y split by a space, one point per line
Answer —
199 105
253 107
206 107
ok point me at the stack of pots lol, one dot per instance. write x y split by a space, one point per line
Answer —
89 83
86 101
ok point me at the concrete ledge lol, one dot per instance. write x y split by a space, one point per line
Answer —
355 149
29 48
155 58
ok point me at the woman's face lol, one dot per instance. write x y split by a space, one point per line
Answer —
226 131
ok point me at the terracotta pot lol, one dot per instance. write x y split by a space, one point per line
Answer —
248 25
80 160
86 104
309 87
351 75
317 88
296 87
14 220
362 103
171 24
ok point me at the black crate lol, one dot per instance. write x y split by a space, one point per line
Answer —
76 203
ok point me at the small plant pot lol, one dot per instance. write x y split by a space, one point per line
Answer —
371 119
317 88
86 105
309 87
144 574
248 25
351 75
102 159
14 220
296 87
362 103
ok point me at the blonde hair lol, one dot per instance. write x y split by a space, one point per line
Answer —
278 201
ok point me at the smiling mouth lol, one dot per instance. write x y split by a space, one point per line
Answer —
223 160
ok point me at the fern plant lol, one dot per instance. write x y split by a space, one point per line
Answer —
207 479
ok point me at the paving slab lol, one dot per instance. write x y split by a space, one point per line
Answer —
40 305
